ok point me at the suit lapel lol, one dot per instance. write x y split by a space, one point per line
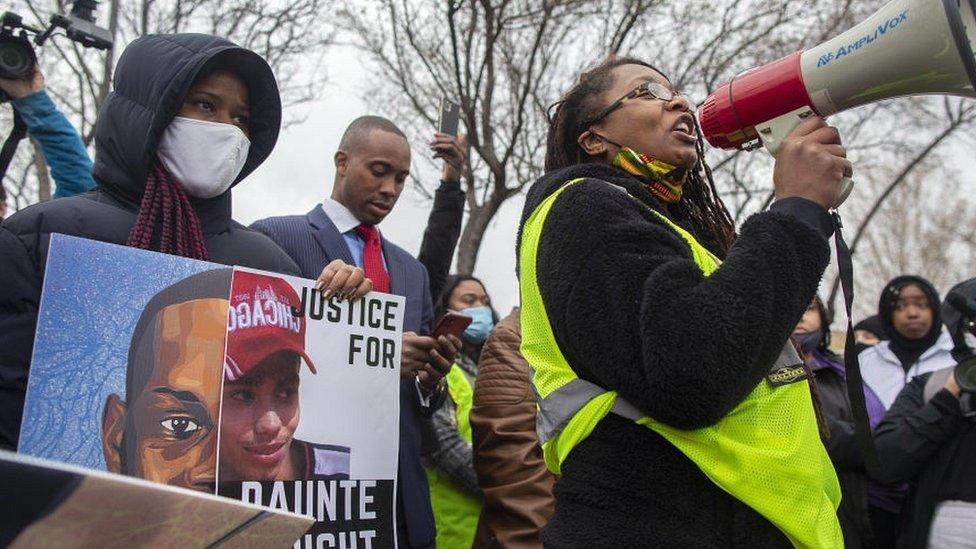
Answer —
328 236
398 284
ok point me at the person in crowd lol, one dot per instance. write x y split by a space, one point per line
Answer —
372 165
671 400
454 492
190 115
444 223
812 338
868 333
164 428
909 313
63 148
3 202
514 481
928 438
261 409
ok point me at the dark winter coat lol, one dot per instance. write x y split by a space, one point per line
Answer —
153 76
632 312
931 445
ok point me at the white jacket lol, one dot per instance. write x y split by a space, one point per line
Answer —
882 370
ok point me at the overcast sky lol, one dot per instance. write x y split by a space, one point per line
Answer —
299 174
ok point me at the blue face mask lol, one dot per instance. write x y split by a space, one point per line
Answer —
481 324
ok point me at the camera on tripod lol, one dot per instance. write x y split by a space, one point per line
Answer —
17 57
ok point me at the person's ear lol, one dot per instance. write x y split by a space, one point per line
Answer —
592 143
341 160
113 427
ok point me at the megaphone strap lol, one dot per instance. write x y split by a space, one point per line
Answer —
855 383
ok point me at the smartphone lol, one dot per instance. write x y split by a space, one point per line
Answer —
449 117
452 324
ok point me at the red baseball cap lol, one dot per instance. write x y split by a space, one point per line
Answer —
261 323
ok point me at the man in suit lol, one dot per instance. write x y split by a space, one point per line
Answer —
372 165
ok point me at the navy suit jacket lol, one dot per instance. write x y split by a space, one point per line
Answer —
313 241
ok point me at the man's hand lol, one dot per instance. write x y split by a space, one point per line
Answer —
811 163
18 88
344 281
426 358
441 360
454 152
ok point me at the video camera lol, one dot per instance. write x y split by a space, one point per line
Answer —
17 57
962 322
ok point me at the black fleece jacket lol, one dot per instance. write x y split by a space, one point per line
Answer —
632 312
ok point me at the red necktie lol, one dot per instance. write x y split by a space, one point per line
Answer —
373 258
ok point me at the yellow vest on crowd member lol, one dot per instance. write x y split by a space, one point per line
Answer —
455 511
766 452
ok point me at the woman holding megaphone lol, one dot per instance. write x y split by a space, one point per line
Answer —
670 400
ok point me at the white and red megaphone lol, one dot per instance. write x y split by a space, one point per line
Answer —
908 47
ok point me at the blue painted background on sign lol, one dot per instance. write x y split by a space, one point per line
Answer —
92 297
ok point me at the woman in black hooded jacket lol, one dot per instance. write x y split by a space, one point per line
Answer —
631 312
139 200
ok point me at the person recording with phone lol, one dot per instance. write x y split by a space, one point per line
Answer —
928 438
444 222
454 491
671 401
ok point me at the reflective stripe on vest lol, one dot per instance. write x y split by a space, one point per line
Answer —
766 452
455 511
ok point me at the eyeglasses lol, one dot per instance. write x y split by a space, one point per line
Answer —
655 90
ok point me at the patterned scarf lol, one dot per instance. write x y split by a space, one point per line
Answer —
663 180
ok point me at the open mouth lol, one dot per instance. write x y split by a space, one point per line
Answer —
684 128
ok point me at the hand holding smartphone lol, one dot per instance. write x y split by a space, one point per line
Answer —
450 116
452 324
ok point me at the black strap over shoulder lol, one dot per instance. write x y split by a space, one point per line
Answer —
855 383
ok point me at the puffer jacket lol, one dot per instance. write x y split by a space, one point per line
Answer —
153 76
517 486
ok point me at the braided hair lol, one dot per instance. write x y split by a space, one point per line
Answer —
700 209
181 233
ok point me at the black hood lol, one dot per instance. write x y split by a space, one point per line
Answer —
886 305
152 78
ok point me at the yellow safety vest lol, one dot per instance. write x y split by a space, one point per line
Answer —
455 511
766 452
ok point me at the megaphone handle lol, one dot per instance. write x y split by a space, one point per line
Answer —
846 186
774 131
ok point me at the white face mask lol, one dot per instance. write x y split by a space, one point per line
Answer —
205 157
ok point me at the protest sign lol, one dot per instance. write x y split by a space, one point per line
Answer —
51 504
209 378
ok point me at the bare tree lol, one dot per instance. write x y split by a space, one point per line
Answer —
505 62
911 208
290 35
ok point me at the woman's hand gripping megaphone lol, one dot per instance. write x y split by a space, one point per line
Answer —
811 163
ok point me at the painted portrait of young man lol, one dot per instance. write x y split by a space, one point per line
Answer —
165 429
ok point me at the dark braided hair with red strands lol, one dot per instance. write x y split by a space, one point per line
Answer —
699 209
181 233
